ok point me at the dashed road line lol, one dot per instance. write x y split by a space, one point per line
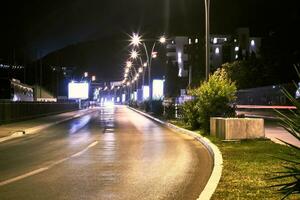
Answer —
40 170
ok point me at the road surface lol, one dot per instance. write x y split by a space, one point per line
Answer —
113 153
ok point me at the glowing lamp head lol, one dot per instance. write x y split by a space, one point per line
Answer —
145 64
86 74
135 40
128 64
140 70
162 40
154 54
134 54
93 78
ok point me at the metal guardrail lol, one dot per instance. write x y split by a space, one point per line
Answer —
265 107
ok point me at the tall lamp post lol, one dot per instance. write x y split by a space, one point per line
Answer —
136 40
207 39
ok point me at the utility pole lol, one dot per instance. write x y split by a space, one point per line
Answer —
207 39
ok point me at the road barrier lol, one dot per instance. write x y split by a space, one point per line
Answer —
17 111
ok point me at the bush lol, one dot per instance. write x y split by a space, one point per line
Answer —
169 112
190 114
145 106
133 104
157 107
213 99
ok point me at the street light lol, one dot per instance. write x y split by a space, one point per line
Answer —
140 70
86 74
162 39
93 78
136 40
207 39
134 54
128 64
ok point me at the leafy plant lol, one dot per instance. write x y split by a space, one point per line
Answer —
190 114
291 123
212 99
157 107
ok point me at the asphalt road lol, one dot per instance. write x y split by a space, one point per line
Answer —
113 153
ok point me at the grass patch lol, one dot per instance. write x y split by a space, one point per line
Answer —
248 168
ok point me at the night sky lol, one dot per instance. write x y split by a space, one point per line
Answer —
92 34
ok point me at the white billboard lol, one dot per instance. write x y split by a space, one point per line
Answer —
78 90
158 89
145 92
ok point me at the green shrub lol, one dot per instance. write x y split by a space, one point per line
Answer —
133 104
214 98
169 112
190 114
145 106
157 107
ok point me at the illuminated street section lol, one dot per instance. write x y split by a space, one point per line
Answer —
112 153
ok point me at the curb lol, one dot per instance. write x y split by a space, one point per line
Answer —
213 150
35 129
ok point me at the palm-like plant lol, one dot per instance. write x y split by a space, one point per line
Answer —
291 123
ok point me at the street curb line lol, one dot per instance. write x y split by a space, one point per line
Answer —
35 129
213 150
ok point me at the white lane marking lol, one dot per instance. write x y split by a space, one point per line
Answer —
23 176
84 150
40 170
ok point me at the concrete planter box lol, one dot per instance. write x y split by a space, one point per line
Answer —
237 128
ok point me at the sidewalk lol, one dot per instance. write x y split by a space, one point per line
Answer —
273 130
12 130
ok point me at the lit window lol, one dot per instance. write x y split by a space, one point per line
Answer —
217 50
215 41
179 60
252 43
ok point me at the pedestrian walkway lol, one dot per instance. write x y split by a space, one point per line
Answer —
273 130
276 133
7 130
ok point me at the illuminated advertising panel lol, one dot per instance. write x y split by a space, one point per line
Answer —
78 90
123 98
145 92
158 89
